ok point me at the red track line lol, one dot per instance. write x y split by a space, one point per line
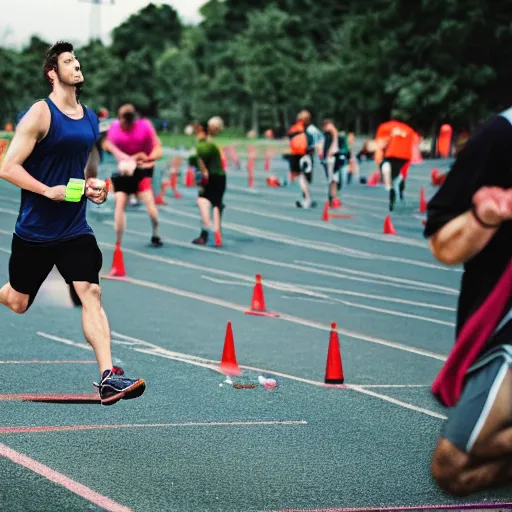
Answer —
60 479
49 397
64 428
465 506
35 361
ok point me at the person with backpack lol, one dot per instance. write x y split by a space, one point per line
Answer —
305 138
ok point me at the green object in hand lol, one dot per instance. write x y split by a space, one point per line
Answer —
75 190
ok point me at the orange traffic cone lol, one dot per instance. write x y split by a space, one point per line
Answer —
325 215
267 160
258 307
374 179
423 201
273 181
160 197
228 364
118 270
190 179
389 229
336 203
434 176
174 185
334 366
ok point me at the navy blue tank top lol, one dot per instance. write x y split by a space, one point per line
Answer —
61 155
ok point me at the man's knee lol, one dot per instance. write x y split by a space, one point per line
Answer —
88 292
16 301
19 305
448 467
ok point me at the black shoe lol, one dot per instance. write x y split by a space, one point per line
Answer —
115 386
202 239
156 241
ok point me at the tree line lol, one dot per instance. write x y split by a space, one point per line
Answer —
256 64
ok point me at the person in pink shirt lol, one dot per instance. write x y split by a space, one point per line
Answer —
135 145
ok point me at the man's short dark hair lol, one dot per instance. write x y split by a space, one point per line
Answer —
51 57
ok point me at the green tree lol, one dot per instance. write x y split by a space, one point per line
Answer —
154 27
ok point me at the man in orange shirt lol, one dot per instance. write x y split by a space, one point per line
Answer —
396 140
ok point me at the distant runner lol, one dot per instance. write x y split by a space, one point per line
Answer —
212 180
136 146
396 139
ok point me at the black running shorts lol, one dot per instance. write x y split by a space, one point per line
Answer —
78 259
214 189
396 166
130 184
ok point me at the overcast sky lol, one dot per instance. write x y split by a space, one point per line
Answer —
71 19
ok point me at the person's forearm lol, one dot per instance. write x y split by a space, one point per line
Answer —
92 167
18 176
156 153
460 240
112 148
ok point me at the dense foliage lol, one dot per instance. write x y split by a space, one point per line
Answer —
256 63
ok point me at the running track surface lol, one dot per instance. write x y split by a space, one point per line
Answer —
195 443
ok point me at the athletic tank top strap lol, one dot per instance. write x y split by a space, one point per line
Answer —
507 114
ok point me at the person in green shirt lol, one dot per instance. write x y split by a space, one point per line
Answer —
212 182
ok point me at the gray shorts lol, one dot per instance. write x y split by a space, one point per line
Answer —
484 380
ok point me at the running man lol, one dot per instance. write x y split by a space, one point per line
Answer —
212 182
53 143
333 160
305 139
396 139
136 146
470 223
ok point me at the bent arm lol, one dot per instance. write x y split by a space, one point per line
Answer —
28 133
460 240
93 162
156 152
114 150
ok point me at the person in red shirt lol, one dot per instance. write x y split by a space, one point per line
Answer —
396 140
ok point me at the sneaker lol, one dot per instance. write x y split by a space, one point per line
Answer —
202 239
156 241
218 239
115 386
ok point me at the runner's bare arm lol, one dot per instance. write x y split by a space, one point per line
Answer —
31 129
465 236
460 240
156 152
112 148
93 162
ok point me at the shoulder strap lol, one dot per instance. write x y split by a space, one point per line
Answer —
95 130
507 114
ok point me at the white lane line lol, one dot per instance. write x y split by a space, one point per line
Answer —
309 299
341 291
66 341
396 313
419 284
399 402
210 364
285 317
334 227
282 264
308 244
223 281
281 286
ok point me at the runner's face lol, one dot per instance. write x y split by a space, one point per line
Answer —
69 70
